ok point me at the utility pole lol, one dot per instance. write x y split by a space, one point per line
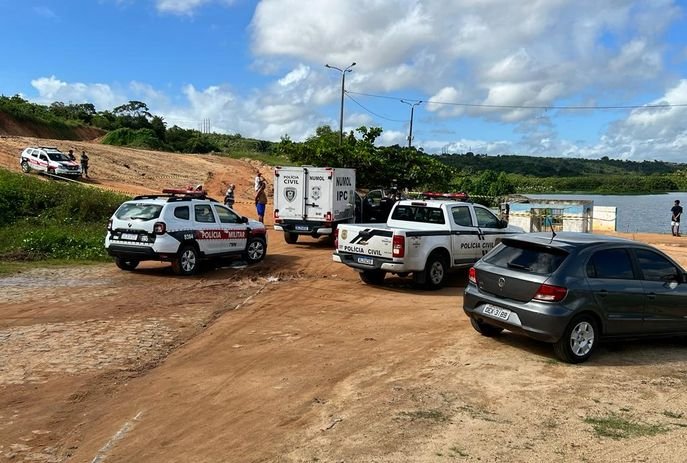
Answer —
343 83
412 111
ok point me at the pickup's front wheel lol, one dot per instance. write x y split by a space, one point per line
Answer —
372 277
434 274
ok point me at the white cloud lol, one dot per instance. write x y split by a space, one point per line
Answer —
51 89
184 6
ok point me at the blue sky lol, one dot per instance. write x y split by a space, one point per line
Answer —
495 76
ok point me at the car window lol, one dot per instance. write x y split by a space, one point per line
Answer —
44 158
610 263
375 197
461 216
138 211
182 212
486 219
526 257
204 213
419 214
655 267
227 216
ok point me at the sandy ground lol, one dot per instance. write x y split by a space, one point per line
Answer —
296 360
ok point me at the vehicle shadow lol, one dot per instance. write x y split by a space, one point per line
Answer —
457 279
608 353
223 269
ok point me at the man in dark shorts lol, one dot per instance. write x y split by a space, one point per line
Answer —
675 219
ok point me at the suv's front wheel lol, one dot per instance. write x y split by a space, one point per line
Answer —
187 261
255 250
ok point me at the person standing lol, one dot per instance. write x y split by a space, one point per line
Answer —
258 179
229 197
84 164
675 219
261 200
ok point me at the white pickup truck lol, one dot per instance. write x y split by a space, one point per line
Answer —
424 237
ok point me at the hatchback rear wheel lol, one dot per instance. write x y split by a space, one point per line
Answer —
579 340
25 167
485 329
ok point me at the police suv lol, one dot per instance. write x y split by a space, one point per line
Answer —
425 238
182 227
49 160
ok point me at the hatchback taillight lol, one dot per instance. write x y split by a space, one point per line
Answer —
472 275
159 228
398 245
550 293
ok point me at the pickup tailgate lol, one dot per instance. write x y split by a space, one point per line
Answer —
372 240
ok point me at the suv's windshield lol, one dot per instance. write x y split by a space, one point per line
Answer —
527 257
138 211
418 214
60 157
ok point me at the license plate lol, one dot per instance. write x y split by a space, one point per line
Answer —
129 236
496 312
366 260
302 228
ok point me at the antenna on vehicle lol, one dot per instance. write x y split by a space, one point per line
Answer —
553 233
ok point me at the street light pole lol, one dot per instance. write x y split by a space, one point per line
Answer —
343 83
412 111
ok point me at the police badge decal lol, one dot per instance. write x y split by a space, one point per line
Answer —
290 194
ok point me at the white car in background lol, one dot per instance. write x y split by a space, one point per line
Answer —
49 160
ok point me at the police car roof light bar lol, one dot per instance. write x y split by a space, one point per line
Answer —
452 196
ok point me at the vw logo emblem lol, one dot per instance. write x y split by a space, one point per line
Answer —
129 224
502 282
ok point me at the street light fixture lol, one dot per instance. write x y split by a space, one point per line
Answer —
412 111
343 82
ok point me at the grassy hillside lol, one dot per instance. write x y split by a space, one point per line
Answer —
52 220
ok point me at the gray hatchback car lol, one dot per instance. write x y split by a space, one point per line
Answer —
573 289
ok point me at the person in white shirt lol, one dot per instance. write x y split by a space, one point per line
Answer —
258 181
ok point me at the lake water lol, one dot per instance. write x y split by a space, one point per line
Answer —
640 213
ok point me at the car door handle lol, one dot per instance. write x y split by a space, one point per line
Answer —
603 293
651 295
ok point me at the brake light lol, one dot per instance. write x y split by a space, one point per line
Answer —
109 225
336 238
328 217
398 244
472 275
159 228
550 293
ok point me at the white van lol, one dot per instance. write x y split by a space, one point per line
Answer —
312 200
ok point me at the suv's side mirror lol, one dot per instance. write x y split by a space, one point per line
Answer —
244 219
502 224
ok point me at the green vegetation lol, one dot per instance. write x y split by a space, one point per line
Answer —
52 220
26 112
477 174
375 166
617 427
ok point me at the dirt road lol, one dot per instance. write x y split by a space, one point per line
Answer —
295 360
